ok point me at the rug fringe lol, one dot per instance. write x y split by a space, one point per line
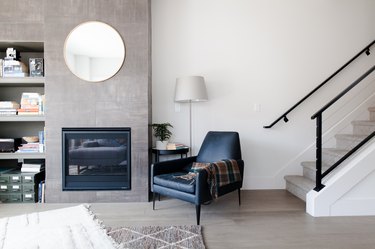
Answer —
101 225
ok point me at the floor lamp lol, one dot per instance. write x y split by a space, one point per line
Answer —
190 89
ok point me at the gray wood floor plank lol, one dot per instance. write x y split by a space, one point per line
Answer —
266 219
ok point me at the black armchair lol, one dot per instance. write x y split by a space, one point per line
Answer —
217 145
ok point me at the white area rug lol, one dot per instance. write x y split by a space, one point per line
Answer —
66 228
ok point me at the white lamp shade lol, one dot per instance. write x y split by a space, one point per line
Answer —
191 88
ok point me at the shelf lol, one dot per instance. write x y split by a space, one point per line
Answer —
22 81
4 155
18 118
32 46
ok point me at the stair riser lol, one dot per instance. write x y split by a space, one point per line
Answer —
347 144
330 159
359 129
297 191
372 115
309 173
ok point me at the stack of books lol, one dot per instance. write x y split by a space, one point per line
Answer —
28 148
31 104
32 168
175 146
8 108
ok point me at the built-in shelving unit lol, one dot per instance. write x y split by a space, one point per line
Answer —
11 89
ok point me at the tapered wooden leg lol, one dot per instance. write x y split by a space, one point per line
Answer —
198 211
153 200
239 197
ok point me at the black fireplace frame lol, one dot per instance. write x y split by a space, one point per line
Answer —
83 183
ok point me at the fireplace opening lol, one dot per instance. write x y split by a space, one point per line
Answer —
96 158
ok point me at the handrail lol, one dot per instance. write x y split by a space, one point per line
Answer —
318 116
348 154
345 91
284 116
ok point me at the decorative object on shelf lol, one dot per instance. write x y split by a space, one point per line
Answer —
11 54
9 144
36 66
162 134
19 186
31 139
12 66
190 89
94 51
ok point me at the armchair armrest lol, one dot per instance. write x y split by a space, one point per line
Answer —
202 189
170 166
240 164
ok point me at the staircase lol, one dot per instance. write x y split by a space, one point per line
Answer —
301 185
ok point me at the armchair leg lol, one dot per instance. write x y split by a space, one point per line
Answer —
153 200
198 212
239 197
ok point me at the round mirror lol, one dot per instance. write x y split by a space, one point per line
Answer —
94 51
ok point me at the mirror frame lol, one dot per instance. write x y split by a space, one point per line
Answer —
115 32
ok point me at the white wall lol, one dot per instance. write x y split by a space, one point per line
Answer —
266 52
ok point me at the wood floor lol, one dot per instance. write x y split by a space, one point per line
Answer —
266 219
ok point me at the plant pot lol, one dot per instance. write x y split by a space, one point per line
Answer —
161 145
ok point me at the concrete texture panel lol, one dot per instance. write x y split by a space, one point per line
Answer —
122 101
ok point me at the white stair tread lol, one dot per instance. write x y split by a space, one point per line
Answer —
300 181
335 151
364 122
350 137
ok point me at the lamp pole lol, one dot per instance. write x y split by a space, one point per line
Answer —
191 133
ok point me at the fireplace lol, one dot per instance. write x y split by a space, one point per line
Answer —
96 158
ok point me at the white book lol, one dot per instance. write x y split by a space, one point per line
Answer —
9 104
31 165
30 170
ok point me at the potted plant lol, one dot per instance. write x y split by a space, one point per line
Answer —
162 134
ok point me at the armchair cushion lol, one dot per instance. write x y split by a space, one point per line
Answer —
173 181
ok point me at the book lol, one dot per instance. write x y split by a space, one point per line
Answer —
9 105
175 146
1 67
40 192
43 191
32 168
41 141
27 113
5 112
29 147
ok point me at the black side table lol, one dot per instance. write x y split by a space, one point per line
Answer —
159 153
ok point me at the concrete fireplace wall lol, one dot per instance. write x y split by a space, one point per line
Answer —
122 101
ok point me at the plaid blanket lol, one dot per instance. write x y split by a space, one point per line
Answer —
219 173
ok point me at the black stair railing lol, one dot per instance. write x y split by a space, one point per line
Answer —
318 116
284 117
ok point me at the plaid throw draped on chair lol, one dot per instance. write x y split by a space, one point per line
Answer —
219 174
